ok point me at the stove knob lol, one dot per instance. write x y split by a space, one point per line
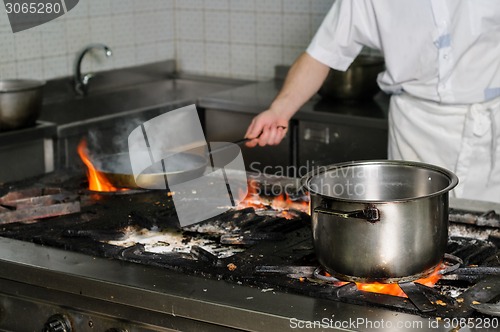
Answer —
57 323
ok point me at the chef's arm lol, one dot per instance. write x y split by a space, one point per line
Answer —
303 80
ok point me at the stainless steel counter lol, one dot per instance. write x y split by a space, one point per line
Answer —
89 290
119 100
322 132
256 97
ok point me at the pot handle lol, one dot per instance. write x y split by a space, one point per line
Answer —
371 213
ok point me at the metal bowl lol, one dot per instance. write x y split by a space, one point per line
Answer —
359 81
20 103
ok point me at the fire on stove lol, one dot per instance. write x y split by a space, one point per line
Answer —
264 242
97 180
161 241
214 236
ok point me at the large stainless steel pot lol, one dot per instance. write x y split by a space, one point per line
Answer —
380 221
20 103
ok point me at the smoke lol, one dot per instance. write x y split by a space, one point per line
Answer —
107 146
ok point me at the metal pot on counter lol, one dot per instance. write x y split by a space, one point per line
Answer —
359 81
20 103
380 221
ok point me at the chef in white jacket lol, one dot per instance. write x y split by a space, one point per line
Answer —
443 73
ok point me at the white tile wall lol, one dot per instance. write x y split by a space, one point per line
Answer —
121 6
296 29
217 58
8 70
55 66
99 8
145 53
191 56
31 68
243 60
231 38
189 4
53 39
243 27
123 56
245 5
189 24
297 6
270 29
8 48
28 45
258 34
216 26
267 58
216 4
101 30
146 27
270 6
123 30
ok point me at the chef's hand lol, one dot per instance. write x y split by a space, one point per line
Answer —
267 128
303 80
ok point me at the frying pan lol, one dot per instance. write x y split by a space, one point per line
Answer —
117 169
183 167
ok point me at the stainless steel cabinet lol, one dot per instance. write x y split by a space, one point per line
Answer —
324 143
308 143
27 152
230 126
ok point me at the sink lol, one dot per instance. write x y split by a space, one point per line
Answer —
119 92
126 101
117 101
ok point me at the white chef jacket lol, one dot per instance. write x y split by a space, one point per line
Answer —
443 70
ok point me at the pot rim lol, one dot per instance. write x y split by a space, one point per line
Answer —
16 85
453 179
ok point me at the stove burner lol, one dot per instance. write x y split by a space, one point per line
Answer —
32 204
123 191
487 219
321 274
450 263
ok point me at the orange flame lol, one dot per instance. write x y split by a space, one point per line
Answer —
97 180
394 289
390 289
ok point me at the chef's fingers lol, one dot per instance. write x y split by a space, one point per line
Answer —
252 143
261 138
254 126
251 129
254 133
273 136
281 132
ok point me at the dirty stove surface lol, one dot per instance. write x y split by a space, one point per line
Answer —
251 268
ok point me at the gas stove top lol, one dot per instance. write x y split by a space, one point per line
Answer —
96 255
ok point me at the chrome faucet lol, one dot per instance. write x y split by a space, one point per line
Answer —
81 83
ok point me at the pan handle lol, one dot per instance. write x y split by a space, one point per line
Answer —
370 214
238 142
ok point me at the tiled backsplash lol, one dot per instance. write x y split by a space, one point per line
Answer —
229 38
